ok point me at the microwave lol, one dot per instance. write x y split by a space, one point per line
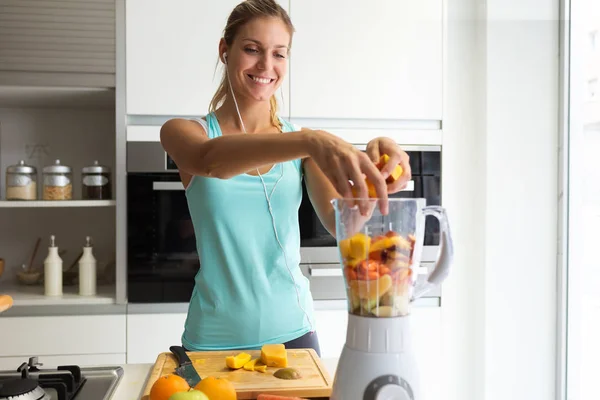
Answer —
162 259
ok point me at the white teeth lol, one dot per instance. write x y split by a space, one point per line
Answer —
261 80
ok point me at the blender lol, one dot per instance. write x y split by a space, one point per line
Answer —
380 256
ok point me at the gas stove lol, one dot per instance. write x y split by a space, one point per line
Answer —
66 382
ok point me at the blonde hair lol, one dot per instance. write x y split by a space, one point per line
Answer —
243 13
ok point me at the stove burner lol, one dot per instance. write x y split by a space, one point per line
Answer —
25 389
66 380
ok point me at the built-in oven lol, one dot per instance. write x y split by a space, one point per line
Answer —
162 260
319 254
161 247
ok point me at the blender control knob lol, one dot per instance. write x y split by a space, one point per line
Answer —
392 392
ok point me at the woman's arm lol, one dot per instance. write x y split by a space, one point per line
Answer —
320 192
226 156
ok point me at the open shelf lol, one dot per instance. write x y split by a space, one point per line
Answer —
34 295
56 203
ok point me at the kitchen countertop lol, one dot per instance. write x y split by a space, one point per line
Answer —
135 376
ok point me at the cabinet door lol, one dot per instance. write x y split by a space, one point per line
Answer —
172 59
148 335
369 60
331 326
62 335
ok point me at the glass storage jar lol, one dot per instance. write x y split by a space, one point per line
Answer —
21 182
95 182
58 182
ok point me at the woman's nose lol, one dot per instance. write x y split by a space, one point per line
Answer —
265 62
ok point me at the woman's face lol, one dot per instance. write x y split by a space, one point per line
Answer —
257 59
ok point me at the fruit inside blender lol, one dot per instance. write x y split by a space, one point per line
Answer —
377 271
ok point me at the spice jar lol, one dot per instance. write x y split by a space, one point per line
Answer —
95 182
21 182
58 182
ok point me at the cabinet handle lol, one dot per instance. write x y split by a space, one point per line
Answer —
167 186
325 272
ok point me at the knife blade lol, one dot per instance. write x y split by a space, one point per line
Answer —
185 369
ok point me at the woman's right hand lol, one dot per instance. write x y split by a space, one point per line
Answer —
341 162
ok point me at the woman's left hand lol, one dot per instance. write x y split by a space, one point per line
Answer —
384 145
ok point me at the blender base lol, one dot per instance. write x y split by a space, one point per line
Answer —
377 362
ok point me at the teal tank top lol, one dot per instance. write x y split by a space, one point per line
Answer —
244 295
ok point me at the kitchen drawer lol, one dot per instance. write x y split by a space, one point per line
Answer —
52 335
83 360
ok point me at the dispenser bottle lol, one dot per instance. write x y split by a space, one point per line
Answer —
53 271
87 270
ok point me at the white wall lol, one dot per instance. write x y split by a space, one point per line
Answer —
500 185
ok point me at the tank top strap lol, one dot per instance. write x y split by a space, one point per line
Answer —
214 130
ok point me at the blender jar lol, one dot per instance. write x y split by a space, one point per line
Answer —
58 182
21 182
381 254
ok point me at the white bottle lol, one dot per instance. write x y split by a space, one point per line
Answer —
87 271
53 271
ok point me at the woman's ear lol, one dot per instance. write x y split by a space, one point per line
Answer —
223 51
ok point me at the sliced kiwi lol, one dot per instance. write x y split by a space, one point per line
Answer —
287 373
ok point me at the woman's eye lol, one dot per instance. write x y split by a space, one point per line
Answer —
250 50
278 55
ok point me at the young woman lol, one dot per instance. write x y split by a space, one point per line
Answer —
242 167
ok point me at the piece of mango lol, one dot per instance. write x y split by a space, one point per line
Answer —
237 361
372 290
396 172
355 247
274 355
249 366
260 368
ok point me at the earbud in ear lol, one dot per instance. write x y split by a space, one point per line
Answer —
225 57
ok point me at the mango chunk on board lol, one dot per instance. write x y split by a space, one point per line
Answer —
274 355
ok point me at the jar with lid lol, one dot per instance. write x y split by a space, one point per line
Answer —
21 182
58 182
95 182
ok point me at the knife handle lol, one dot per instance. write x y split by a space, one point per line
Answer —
180 354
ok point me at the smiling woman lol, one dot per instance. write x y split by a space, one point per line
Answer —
242 167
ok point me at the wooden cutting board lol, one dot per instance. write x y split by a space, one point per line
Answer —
315 382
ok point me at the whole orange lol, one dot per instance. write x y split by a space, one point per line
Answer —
166 386
217 388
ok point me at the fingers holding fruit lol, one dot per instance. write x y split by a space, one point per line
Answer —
392 161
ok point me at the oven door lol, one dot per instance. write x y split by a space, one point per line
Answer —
162 260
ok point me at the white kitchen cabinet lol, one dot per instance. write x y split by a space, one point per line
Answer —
331 328
148 335
355 59
62 335
57 43
172 55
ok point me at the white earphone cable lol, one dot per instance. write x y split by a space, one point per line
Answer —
268 197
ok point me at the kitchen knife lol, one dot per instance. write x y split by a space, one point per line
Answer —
186 369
